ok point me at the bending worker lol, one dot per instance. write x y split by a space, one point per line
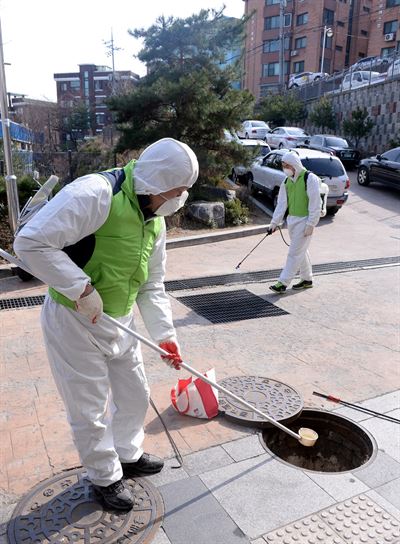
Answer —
100 246
302 200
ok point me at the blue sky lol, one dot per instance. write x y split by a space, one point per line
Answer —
43 37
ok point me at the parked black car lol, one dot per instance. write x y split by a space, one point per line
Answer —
340 147
384 168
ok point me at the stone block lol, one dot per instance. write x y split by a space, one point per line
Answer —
208 213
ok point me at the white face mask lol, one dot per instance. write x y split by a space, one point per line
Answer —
288 172
172 205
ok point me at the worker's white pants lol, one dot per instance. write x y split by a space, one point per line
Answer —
298 257
88 363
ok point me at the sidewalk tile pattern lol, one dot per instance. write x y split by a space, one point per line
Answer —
356 521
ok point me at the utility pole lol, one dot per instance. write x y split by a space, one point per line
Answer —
10 178
110 53
282 6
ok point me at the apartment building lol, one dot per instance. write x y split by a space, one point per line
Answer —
92 85
352 23
384 28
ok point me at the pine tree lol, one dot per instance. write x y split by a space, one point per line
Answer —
188 92
359 126
322 115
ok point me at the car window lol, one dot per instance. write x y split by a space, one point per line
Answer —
267 161
347 78
295 131
277 131
323 166
392 155
277 164
258 124
357 77
337 142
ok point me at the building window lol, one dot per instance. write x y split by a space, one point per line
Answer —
364 33
98 85
271 2
272 69
271 22
328 41
302 19
298 67
64 87
392 3
270 46
99 100
340 23
75 84
328 16
300 43
390 26
366 8
100 118
338 48
387 51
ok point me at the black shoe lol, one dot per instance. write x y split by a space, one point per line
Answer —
147 464
116 495
279 287
304 284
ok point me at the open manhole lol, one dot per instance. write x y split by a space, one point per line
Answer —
342 444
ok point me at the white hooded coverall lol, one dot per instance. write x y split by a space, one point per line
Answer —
298 257
89 361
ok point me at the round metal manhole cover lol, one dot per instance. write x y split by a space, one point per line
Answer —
65 510
278 400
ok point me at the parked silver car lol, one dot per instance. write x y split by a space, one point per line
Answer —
253 129
286 137
266 175
259 148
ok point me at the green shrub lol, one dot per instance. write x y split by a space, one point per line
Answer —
236 213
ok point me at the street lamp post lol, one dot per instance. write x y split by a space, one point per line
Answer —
327 32
10 179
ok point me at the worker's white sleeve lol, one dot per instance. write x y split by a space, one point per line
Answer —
78 210
152 300
281 206
314 200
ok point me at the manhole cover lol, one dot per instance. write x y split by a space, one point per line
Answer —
342 445
278 400
65 510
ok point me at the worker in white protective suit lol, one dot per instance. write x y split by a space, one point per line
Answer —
100 246
299 194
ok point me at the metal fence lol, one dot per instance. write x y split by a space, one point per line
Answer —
388 68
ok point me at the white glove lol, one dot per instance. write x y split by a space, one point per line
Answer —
90 306
309 229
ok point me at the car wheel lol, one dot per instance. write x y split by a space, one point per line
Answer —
234 176
275 197
333 210
250 185
363 176
23 274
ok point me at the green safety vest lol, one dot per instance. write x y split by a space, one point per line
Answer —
297 197
120 251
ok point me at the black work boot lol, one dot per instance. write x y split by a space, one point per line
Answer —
116 495
145 465
304 284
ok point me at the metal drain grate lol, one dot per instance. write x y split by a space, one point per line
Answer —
231 306
23 302
265 275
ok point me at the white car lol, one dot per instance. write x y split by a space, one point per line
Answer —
298 80
286 137
260 149
394 69
266 175
253 129
361 78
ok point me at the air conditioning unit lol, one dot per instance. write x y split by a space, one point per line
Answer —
294 53
389 37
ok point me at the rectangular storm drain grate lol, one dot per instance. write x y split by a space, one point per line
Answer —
23 302
231 306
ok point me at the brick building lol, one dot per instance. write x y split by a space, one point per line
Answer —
91 86
358 31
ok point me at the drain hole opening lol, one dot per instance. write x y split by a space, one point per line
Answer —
342 444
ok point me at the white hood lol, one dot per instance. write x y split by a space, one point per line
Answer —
165 165
292 158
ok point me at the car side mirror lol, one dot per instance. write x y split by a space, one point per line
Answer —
307 142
